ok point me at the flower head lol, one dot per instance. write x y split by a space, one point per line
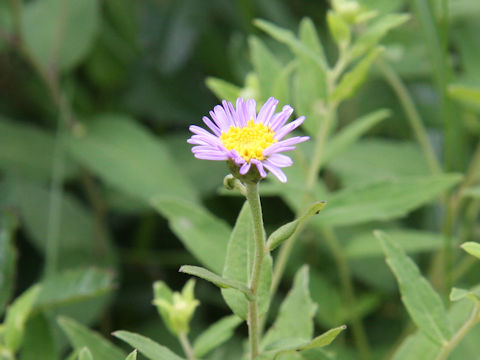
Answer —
245 138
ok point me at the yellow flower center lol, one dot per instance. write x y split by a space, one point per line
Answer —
249 141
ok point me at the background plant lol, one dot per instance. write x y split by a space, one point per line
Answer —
78 173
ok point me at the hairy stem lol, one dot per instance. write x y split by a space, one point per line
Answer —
186 346
460 334
253 199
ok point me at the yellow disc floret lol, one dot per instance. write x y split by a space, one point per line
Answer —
249 141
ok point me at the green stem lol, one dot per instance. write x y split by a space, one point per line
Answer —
253 199
412 115
186 346
460 334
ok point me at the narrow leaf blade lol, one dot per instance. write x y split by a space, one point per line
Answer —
146 346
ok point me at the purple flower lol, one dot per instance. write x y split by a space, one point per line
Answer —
242 136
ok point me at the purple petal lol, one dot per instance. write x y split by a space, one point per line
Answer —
267 111
231 113
260 168
284 145
206 156
224 121
281 118
212 126
280 160
241 113
245 167
289 127
280 175
251 110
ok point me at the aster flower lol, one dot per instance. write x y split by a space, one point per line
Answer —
244 138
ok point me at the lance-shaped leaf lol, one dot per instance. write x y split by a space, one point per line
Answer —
239 265
80 337
223 89
202 233
473 248
286 231
467 95
217 280
422 302
132 355
39 339
295 317
85 354
146 346
216 335
17 316
352 132
459 294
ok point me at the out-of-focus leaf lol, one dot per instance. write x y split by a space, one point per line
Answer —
80 337
365 245
467 95
132 355
459 294
384 200
422 302
85 354
80 244
328 298
417 346
355 77
352 132
473 248
38 342
374 160
288 38
325 339
473 192
216 279
266 66
16 318
309 81
8 257
295 317
223 89
60 33
216 335
202 233
376 31
27 151
73 286
146 346
129 158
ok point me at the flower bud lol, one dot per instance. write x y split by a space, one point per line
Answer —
176 309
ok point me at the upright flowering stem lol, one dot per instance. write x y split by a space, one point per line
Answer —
259 235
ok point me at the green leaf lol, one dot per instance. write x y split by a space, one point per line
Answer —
309 81
296 313
459 294
364 245
39 340
467 95
288 38
17 316
132 355
146 346
80 243
422 302
473 192
472 248
60 33
223 89
73 286
372 160
216 335
384 200
338 27
324 339
85 354
266 66
217 280
239 264
8 257
417 346
286 231
348 135
80 336
128 157
28 151
376 31
355 77
202 233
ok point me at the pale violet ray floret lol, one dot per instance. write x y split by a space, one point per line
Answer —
240 135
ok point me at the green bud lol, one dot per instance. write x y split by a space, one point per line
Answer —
287 230
351 11
338 28
176 309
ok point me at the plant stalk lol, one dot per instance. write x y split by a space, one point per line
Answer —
253 199
186 346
